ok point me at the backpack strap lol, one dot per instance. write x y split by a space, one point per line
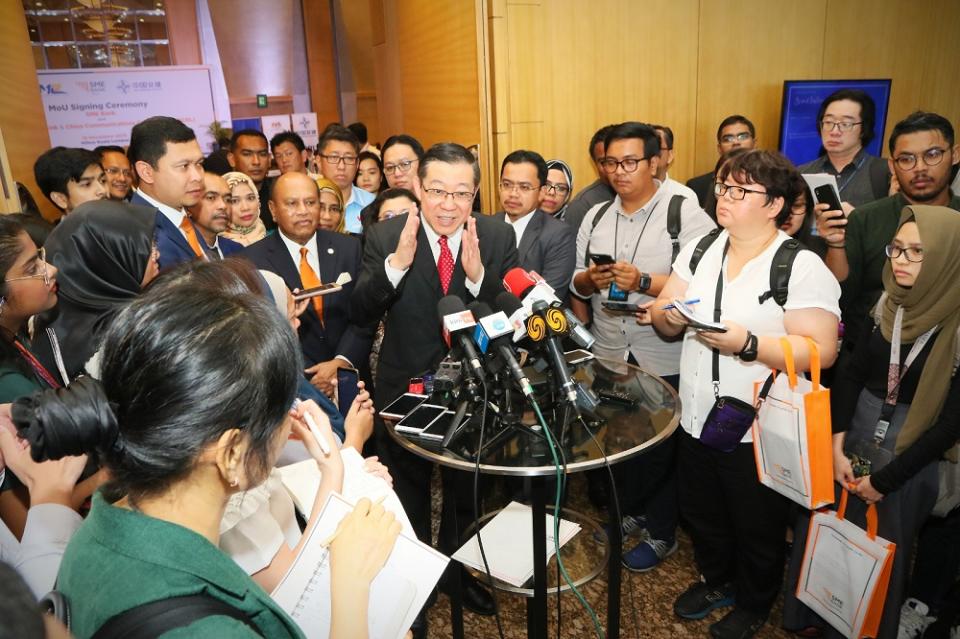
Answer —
157 617
673 225
593 225
702 247
780 270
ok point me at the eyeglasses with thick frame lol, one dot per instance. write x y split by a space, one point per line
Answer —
843 127
559 189
40 265
439 195
931 157
400 167
629 165
912 253
736 192
347 160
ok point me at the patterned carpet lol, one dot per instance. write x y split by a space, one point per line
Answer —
646 599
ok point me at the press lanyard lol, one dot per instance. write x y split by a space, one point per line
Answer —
846 182
717 301
896 373
616 231
38 368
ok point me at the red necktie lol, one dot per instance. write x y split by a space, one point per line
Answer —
445 264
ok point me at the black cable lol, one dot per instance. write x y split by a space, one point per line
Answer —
476 512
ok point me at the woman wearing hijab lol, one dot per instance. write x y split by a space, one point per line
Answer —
104 255
900 389
331 206
245 225
557 189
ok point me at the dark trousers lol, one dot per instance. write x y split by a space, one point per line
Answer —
648 484
938 559
737 524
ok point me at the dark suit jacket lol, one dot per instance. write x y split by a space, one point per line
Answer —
549 247
702 185
228 247
171 243
338 335
413 341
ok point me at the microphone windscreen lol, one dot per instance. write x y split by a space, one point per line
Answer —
518 282
449 305
508 303
480 310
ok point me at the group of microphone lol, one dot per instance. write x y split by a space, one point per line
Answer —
528 315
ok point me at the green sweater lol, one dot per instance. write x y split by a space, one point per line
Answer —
869 229
120 559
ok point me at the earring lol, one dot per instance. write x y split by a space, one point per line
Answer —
234 482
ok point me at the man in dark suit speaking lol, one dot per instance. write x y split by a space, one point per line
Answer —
305 257
409 264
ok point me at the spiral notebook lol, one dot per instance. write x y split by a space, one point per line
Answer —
397 593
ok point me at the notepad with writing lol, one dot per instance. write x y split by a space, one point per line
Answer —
397 593
508 544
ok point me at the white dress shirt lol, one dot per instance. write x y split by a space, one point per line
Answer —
37 556
673 187
395 275
520 225
174 215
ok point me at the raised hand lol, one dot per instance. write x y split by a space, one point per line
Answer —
403 256
470 252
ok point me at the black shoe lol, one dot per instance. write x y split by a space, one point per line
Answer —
420 625
475 597
700 599
738 624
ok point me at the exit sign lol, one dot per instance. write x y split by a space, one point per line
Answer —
261 101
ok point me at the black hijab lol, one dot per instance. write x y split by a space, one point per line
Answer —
101 250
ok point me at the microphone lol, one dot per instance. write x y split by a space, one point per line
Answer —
530 288
497 329
457 325
548 325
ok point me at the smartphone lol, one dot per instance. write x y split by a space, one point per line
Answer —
602 259
438 429
398 408
577 356
421 417
826 194
347 390
620 307
323 289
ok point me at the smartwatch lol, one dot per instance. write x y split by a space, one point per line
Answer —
645 282
749 351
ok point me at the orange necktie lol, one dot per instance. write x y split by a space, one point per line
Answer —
187 227
309 279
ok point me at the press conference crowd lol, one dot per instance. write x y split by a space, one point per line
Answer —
157 363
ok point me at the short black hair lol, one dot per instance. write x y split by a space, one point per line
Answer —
667 134
403 138
149 138
60 165
523 156
340 134
638 130
868 111
736 119
373 210
598 137
359 129
450 153
108 148
769 169
252 133
22 618
922 121
287 136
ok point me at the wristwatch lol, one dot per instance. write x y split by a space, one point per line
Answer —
749 351
645 282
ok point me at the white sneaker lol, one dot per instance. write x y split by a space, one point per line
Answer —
914 619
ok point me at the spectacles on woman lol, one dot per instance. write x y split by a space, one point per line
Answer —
37 271
736 192
912 253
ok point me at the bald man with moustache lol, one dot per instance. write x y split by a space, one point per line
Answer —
305 256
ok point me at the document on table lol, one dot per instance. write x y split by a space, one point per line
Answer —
397 593
508 544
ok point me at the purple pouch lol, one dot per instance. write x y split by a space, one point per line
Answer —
728 421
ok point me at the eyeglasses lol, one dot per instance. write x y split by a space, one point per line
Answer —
523 187
738 137
931 157
830 125
37 271
736 192
629 164
348 160
386 215
439 195
114 171
400 167
912 253
559 189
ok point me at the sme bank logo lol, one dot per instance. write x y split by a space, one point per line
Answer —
52 88
92 86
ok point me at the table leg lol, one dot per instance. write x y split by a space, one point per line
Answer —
537 605
613 567
454 571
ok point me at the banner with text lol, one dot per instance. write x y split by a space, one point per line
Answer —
273 124
92 107
305 125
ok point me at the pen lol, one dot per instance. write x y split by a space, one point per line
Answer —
695 300
329 540
312 425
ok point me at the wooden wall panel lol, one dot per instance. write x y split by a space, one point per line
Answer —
940 91
321 63
21 110
183 32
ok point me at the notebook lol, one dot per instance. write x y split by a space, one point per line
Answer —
397 593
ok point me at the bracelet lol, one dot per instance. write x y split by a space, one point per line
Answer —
746 343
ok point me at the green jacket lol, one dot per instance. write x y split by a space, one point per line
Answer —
120 559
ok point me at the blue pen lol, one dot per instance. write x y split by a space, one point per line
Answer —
695 300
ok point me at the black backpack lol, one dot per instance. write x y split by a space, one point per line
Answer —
673 225
780 268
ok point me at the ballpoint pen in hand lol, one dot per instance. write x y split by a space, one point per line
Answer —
312 425
695 300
